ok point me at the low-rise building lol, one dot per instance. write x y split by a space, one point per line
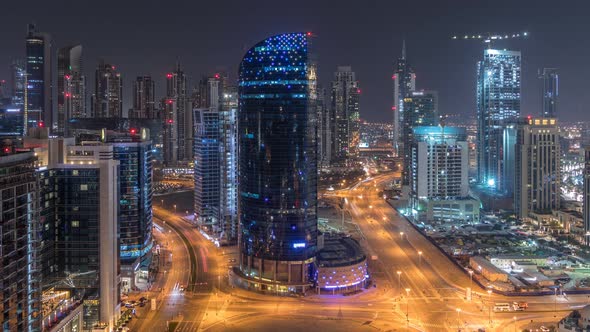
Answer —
488 270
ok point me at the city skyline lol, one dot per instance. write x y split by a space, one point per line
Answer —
454 61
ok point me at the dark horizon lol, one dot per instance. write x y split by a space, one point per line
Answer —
148 37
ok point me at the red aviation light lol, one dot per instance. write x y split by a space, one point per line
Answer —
169 120
133 131
308 34
216 75
169 75
41 124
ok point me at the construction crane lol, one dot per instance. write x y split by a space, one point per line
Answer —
488 38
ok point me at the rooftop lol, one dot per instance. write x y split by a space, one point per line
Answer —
339 251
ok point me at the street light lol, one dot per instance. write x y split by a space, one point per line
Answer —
555 302
458 318
490 304
408 305
420 258
471 279
399 279
401 235
162 203
514 323
174 208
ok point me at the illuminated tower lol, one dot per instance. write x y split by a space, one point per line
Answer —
345 115
176 91
38 101
108 95
550 91
404 81
498 103
71 87
144 101
278 165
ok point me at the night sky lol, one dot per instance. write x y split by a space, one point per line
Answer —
146 37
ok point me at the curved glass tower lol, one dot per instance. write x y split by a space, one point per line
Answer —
278 165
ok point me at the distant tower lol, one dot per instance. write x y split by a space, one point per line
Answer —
498 103
176 90
278 164
550 79
108 96
228 125
144 102
404 81
345 115
421 109
38 101
587 194
19 81
71 87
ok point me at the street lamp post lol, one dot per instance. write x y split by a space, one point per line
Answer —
420 258
401 235
399 279
174 208
161 203
408 306
471 280
555 302
458 318
514 318
490 304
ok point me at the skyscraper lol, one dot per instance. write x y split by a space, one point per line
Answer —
38 101
176 91
538 167
144 99
420 109
207 162
404 81
345 115
108 95
19 81
19 227
228 203
586 193
550 91
498 103
170 133
278 165
324 129
71 87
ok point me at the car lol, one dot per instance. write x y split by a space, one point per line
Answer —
544 329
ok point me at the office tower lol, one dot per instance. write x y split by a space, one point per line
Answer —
324 134
207 165
38 110
170 133
550 79
278 165
498 103
19 230
404 81
537 168
144 102
228 203
71 87
176 91
345 114
108 93
586 194
19 81
420 109
439 178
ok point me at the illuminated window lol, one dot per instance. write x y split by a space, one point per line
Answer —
75 223
84 187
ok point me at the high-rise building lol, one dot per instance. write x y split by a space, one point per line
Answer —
38 110
550 79
20 277
439 178
345 115
538 167
19 82
207 166
586 194
71 87
404 81
108 94
176 91
278 165
144 98
420 109
170 132
228 203
324 129
498 103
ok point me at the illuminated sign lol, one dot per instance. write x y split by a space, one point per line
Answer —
298 245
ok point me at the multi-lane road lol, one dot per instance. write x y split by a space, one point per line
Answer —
427 295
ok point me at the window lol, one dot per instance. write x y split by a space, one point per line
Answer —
84 187
75 223
75 172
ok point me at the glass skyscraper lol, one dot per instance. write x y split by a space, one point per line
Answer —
550 79
404 81
277 165
71 87
498 103
38 111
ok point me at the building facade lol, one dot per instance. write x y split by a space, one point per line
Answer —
537 168
19 80
144 98
38 110
498 103
420 109
345 119
586 193
176 93
207 171
228 203
277 165
20 278
404 82
71 87
108 94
